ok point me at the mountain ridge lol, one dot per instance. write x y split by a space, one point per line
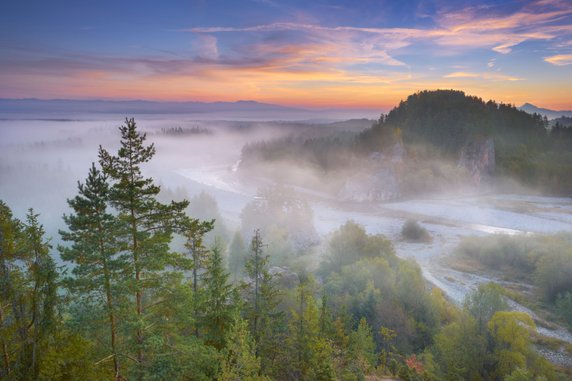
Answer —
550 114
36 105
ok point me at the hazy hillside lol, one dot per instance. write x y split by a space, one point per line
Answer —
443 140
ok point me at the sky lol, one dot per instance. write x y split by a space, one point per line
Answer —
311 53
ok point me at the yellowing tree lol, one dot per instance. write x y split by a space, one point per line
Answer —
511 332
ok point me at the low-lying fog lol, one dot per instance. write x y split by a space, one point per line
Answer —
42 160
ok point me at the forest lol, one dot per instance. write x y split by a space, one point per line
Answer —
152 290
435 127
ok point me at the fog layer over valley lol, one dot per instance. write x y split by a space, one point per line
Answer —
300 182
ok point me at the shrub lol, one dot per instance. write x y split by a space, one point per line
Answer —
414 232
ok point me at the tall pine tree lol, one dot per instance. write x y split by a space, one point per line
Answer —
94 253
145 225
261 305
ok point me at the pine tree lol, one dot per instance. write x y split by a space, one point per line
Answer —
10 230
194 231
257 271
240 362
362 348
146 225
94 253
312 351
43 289
261 302
220 300
237 256
28 304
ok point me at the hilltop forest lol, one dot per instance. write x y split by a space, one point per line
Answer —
436 129
147 294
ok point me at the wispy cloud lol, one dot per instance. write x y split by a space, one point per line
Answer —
559 59
468 28
206 46
487 76
315 60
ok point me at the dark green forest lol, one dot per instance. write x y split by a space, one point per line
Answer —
146 294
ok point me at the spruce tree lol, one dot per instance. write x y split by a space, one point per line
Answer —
194 231
240 362
220 300
145 225
237 254
43 277
261 302
10 230
94 253
28 298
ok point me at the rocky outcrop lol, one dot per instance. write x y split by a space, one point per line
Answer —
378 180
478 157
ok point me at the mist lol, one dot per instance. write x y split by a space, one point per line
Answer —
298 181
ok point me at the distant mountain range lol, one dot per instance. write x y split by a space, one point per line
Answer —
550 114
58 106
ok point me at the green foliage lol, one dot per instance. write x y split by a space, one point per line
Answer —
185 358
554 274
393 367
237 255
448 118
484 302
145 226
240 362
414 232
350 243
361 349
461 350
546 259
137 309
434 126
98 267
69 357
28 296
519 374
221 299
511 333
261 297
564 306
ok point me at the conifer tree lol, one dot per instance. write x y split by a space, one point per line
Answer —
240 362
220 299
261 289
94 252
198 254
145 224
237 255
28 301
9 231
43 277
261 301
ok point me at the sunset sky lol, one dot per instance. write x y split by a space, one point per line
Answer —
312 53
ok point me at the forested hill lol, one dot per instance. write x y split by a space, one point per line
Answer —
449 119
449 138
